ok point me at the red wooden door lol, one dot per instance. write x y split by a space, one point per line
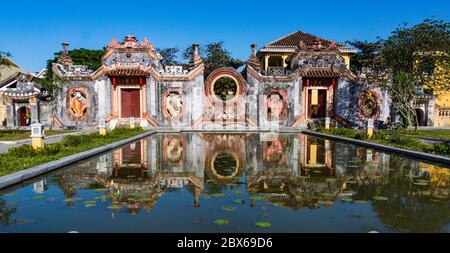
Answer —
131 104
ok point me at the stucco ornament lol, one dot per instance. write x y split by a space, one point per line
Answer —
78 104
275 105
369 104
174 104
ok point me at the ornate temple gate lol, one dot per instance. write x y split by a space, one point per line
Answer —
226 105
130 103
319 97
128 96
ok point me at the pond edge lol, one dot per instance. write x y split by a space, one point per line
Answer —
412 153
20 176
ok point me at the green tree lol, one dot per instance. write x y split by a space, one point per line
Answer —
92 58
4 61
368 55
169 56
403 93
413 49
214 57
409 54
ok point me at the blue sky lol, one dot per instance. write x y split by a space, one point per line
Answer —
33 30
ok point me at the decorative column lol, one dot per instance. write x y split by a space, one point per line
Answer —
370 127
327 123
102 127
37 135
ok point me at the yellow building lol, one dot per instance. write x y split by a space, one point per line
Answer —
276 54
439 82
6 72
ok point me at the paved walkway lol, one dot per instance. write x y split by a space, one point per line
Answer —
49 139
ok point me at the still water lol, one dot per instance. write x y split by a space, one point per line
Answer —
234 183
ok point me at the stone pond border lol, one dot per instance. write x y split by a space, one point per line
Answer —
20 176
416 154
23 175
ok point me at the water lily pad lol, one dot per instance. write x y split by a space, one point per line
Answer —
239 201
221 194
347 199
229 208
101 190
90 205
87 202
421 183
380 198
256 197
325 202
330 180
263 224
360 201
72 199
101 197
9 194
12 202
222 221
38 197
237 192
114 207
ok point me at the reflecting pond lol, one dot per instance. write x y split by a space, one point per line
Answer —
204 182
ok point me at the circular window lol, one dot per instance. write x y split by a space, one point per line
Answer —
225 88
225 164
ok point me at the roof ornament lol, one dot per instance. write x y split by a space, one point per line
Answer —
302 45
64 57
253 47
65 47
114 43
130 41
253 60
333 45
196 60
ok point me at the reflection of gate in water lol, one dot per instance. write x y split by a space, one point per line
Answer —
131 160
224 156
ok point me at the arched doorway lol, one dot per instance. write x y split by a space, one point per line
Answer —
420 117
24 116
224 98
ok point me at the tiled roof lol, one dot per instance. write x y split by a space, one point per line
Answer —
293 40
320 72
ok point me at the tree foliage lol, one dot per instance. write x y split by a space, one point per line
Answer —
169 56
4 61
403 95
417 56
90 57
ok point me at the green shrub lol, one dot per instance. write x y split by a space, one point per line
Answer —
25 156
51 149
24 150
441 148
